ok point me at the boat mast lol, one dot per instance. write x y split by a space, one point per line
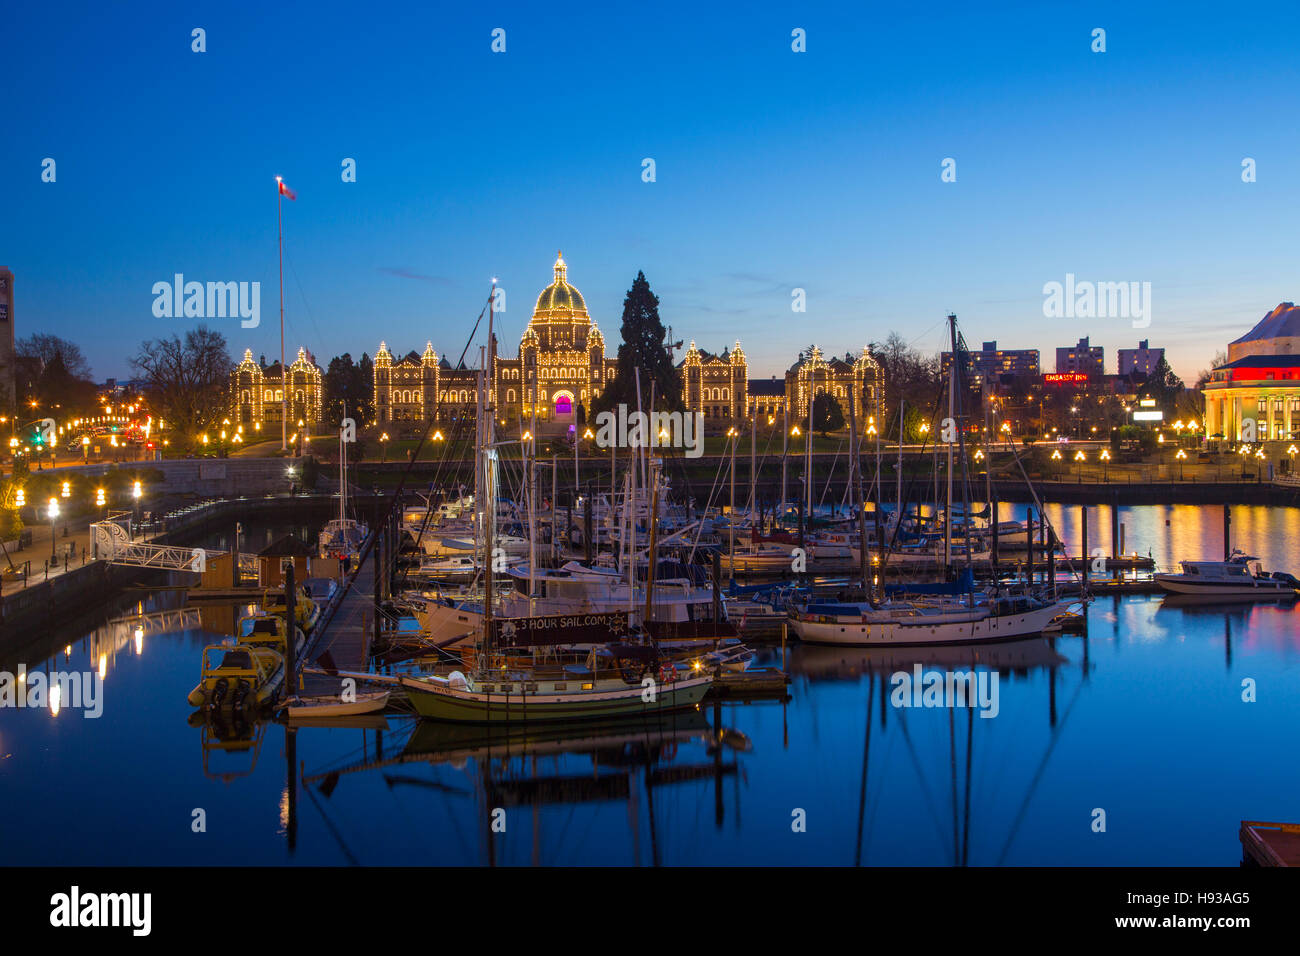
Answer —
808 479
785 440
898 492
488 462
855 483
951 422
343 476
753 472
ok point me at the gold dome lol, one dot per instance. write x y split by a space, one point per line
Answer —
559 300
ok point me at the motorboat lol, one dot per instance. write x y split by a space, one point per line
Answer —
1241 577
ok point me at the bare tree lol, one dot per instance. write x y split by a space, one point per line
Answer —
188 381
41 349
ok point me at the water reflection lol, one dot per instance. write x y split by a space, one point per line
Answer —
498 771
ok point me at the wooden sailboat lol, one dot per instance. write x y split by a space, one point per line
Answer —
500 689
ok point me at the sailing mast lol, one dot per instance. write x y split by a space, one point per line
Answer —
488 463
785 440
951 422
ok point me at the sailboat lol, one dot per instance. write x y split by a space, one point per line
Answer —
995 615
508 684
342 536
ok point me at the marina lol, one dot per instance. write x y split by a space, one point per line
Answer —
1061 695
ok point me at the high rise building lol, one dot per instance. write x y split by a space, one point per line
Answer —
1089 360
1141 359
989 362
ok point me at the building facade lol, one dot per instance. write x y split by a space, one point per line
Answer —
1084 358
1255 396
990 363
813 374
257 390
715 386
1142 360
560 367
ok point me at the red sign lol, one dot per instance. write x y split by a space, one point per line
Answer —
1058 378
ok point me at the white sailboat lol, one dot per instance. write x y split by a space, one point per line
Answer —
342 536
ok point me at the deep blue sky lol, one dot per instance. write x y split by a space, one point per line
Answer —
775 169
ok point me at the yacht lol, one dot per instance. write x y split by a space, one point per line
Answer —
1238 578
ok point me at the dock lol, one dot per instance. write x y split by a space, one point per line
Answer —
1270 844
346 638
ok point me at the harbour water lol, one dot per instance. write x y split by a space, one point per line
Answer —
1144 719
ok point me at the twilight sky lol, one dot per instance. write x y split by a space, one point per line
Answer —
775 170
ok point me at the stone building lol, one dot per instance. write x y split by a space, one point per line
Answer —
560 367
257 390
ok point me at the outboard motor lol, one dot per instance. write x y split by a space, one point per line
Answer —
240 696
218 695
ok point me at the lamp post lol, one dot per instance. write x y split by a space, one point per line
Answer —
1181 456
136 492
54 514
1105 457
383 445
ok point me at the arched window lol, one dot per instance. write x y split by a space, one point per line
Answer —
270 396
510 395
244 399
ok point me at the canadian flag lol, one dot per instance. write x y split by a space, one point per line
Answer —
285 190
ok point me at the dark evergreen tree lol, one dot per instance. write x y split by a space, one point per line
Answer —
347 390
828 415
642 348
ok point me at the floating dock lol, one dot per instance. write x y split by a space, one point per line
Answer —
1270 844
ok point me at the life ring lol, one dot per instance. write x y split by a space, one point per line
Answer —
668 673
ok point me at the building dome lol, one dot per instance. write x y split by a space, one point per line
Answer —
559 300
1277 333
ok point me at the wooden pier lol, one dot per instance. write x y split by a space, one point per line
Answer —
346 637
1270 844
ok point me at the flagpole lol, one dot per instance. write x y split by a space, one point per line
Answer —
284 378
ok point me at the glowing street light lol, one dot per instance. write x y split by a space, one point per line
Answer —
53 511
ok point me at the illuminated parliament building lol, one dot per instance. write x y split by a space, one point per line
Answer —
562 366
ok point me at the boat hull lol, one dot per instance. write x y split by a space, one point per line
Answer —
896 634
436 702
1178 584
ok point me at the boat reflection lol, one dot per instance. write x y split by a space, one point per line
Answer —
626 760
823 663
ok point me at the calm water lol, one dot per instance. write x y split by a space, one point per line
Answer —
1144 720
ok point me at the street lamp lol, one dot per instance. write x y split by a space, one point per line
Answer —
136 492
54 514
1105 457
85 449
1181 456
383 444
